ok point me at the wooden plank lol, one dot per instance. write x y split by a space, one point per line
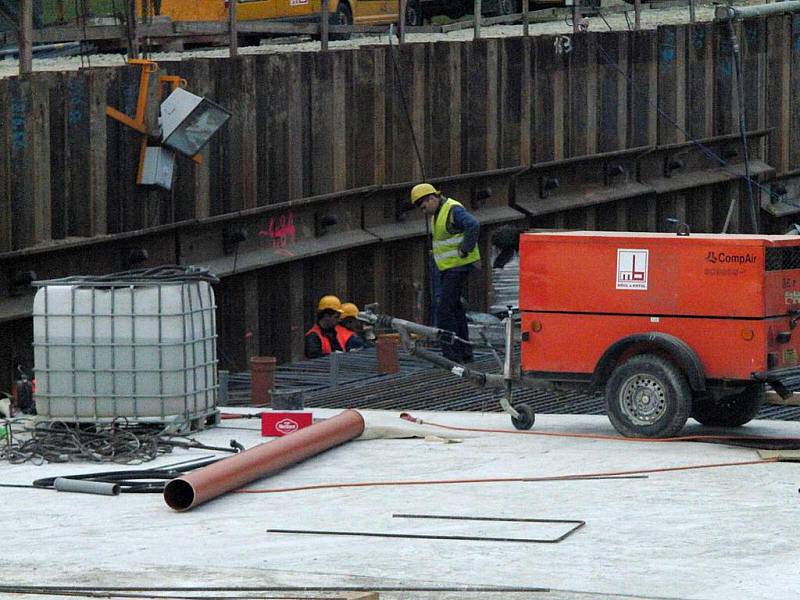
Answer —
643 92
582 99
672 84
753 52
6 219
342 75
20 161
514 118
190 193
700 80
245 94
61 151
549 89
726 120
368 122
322 124
97 159
794 97
128 200
480 112
40 140
778 80
220 145
405 109
444 139
612 90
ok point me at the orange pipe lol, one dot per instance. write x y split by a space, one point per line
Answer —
231 473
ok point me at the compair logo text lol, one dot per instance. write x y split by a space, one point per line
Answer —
730 259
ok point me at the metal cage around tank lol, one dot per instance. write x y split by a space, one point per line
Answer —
139 345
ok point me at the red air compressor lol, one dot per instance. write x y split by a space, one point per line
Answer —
671 326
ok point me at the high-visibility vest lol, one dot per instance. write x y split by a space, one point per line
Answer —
343 335
446 244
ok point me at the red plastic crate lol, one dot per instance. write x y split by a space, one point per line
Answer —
278 423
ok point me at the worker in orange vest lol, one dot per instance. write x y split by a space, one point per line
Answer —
349 320
327 335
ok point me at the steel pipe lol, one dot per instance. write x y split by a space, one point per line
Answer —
83 486
190 490
729 13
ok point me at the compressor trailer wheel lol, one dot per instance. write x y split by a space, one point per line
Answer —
647 396
525 419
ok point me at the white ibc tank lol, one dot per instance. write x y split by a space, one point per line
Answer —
144 351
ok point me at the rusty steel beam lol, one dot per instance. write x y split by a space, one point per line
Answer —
254 238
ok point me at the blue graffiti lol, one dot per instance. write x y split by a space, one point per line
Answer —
19 111
76 101
667 53
699 37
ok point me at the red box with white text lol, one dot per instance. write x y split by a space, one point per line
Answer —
278 423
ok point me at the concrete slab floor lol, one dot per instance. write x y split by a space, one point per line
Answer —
724 532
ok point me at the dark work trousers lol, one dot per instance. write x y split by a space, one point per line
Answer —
450 314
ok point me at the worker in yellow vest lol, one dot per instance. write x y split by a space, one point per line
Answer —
455 254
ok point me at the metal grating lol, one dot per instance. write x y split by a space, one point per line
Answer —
782 258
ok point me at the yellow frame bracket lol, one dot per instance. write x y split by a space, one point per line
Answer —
137 122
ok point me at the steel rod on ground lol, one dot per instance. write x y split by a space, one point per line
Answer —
25 37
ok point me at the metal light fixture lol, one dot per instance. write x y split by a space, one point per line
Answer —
158 168
188 121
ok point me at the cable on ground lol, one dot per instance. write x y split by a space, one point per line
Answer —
612 438
572 477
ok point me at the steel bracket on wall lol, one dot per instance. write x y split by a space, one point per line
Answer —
583 181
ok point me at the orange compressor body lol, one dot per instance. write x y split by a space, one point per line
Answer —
591 299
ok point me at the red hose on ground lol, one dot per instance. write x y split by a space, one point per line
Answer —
197 487
599 436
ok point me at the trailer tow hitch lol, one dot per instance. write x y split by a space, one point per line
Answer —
522 416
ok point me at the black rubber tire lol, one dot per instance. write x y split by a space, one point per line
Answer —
342 16
414 16
526 417
732 410
635 413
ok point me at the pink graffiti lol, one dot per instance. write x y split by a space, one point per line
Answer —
280 230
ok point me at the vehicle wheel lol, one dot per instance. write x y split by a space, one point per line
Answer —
342 16
647 396
414 16
729 411
526 417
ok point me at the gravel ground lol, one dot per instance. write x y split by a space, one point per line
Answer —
650 19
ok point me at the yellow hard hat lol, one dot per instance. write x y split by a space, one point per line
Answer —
329 303
421 190
349 310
